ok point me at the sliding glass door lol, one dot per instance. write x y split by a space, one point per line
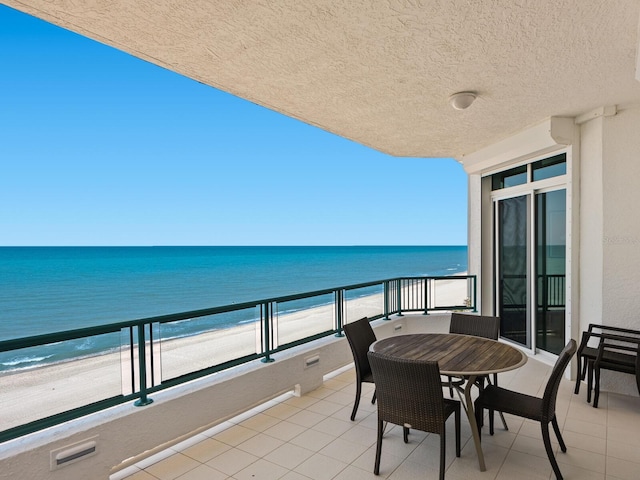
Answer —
513 269
551 247
530 252
530 268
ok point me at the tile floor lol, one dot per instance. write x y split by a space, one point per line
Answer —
311 437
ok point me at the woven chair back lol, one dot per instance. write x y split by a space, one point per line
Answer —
360 336
409 392
551 390
476 325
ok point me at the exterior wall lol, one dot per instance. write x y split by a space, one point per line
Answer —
474 246
621 226
620 230
486 239
591 204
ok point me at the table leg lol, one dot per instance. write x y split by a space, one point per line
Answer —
475 431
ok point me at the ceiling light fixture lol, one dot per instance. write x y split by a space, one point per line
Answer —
462 100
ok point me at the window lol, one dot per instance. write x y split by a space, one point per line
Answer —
549 167
540 170
509 178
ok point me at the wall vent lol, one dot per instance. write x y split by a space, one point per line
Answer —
61 457
311 361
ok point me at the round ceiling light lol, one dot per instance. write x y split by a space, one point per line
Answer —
462 100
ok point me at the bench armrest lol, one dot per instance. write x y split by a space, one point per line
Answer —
613 330
618 343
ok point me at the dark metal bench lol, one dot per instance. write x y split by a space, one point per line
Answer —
617 349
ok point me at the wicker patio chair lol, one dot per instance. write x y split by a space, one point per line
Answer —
360 336
542 410
478 326
410 394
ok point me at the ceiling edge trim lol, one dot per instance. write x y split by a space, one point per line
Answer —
553 133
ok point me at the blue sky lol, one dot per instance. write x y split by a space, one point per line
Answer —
100 148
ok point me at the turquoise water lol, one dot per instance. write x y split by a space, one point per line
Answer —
49 289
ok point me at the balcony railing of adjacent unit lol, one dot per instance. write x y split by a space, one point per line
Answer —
90 369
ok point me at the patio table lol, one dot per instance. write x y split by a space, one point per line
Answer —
458 356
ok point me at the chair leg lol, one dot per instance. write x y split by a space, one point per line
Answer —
357 401
457 420
491 413
556 429
376 467
443 446
580 376
479 412
596 392
405 434
589 380
547 446
504 422
373 399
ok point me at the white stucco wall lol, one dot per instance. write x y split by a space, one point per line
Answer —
621 228
621 231
474 243
610 228
591 224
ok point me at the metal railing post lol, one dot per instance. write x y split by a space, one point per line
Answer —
475 294
339 296
426 296
142 367
267 333
399 297
386 293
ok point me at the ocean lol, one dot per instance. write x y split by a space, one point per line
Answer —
49 289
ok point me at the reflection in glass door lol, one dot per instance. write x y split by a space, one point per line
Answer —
551 246
513 269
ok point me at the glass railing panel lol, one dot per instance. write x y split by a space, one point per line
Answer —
304 317
194 344
37 382
449 293
363 302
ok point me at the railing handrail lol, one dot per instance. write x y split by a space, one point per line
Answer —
73 334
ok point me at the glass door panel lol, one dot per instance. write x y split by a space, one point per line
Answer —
551 245
513 271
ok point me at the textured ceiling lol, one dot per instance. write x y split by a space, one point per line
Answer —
380 72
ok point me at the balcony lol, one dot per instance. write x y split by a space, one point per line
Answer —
310 437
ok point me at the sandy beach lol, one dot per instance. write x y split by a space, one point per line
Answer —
27 395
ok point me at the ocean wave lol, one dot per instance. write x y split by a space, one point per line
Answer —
22 360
